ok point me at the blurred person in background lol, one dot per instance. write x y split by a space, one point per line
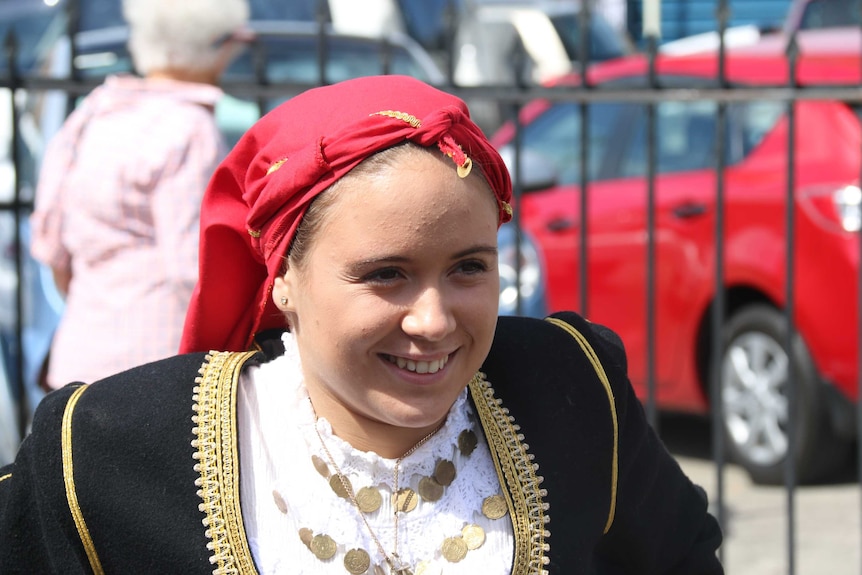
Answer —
119 194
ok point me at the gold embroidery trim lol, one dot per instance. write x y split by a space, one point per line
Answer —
517 474
69 480
5 477
217 455
403 116
600 371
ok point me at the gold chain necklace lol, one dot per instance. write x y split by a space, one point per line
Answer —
396 565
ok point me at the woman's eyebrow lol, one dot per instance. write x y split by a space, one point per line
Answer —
475 250
399 259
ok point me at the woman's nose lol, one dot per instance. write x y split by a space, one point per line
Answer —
429 316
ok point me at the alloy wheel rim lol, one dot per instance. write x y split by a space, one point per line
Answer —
754 398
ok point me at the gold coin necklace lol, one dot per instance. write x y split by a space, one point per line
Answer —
357 560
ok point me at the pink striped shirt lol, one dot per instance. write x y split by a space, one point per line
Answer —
117 205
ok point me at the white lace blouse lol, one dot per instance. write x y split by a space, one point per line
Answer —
284 494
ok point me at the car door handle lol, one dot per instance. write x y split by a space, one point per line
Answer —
689 210
561 224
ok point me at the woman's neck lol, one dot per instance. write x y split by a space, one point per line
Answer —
364 434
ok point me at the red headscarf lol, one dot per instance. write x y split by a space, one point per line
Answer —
260 192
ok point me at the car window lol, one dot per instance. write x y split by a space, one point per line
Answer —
685 138
305 10
605 42
556 135
686 132
98 14
425 20
35 29
296 60
39 25
756 120
830 14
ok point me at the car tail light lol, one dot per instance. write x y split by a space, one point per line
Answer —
848 201
836 208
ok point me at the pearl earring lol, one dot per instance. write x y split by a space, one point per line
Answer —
283 300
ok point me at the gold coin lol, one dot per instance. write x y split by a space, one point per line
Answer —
368 500
467 442
465 168
430 490
405 500
474 536
339 484
323 547
454 549
321 466
357 561
306 535
444 473
279 501
494 507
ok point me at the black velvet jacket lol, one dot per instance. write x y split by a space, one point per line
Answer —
139 473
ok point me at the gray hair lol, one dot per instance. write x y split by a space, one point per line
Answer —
180 34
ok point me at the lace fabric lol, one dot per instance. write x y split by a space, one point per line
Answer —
282 491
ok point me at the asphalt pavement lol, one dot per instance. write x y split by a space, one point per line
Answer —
828 517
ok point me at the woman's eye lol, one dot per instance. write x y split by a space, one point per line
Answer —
472 267
384 275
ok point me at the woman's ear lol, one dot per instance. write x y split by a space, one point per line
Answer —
281 295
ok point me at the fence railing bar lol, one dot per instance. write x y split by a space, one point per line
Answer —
650 301
790 479
859 323
643 95
517 193
584 161
20 393
719 309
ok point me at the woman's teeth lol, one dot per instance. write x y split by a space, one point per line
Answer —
419 366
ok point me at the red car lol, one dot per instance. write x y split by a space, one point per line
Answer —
827 198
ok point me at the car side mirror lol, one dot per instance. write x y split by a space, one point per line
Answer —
537 172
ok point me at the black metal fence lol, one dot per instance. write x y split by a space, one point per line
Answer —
651 92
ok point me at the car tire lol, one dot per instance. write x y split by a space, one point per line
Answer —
755 401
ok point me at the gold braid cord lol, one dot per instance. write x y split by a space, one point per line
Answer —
217 455
69 481
600 373
518 477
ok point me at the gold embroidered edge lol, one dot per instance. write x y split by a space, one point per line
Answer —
69 482
518 475
217 455
5 477
600 372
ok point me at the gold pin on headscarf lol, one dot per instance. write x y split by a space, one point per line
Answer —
275 166
463 162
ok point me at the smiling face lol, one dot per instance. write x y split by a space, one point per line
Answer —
394 304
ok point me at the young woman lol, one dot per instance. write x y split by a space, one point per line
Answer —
368 411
